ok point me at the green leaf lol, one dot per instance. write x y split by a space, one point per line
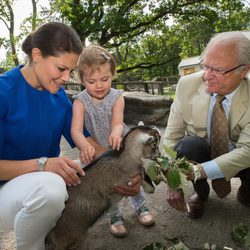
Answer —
239 234
185 166
185 186
154 246
165 163
171 154
153 171
179 246
247 244
173 178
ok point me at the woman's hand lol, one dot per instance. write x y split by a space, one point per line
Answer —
66 168
131 189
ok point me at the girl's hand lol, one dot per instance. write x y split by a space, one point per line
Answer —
87 153
66 168
115 141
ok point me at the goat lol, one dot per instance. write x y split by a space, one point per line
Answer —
88 200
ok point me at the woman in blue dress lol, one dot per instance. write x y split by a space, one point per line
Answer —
35 113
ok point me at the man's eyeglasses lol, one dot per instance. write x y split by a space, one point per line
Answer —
219 72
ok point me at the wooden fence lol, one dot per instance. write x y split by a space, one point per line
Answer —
156 86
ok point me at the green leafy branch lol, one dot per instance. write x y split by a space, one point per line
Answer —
174 172
170 170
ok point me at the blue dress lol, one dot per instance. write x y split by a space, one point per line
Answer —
31 121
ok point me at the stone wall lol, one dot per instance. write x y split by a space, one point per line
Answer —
151 109
140 106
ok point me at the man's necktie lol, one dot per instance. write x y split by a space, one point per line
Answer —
219 143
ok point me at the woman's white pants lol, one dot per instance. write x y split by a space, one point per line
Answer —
31 205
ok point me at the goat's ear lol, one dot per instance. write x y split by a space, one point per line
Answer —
145 138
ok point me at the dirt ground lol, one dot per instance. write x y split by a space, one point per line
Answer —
214 227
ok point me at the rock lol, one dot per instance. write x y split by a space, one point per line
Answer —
151 109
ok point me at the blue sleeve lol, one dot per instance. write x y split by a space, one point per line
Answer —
67 133
86 132
1 138
212 170
3 110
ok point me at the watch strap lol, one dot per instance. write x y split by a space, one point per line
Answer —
41 163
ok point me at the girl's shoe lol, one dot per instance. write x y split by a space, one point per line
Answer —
145 217
117 227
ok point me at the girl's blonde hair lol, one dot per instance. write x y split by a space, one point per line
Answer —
93 57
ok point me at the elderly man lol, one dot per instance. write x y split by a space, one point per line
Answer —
209 123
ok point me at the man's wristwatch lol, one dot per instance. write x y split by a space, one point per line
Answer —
41 163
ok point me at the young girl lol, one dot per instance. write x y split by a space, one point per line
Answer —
99 108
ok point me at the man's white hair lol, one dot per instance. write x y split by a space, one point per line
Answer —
232 38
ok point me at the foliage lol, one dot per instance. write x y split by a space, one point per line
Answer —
155 55
12 43
241 235
210 18
7 17
154 246
170 170
139 32
182 246
8 63
174 172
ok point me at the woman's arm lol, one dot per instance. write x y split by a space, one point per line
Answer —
62 166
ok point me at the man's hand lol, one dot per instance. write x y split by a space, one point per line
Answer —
175 199
131 189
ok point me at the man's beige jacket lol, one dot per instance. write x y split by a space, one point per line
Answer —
188 116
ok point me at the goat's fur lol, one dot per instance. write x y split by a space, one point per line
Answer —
88 200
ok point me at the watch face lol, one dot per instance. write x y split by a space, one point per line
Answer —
41 162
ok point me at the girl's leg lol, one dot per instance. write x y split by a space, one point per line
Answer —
114 211
117 227
31 205
137 202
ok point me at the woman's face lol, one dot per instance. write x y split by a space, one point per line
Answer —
50 72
